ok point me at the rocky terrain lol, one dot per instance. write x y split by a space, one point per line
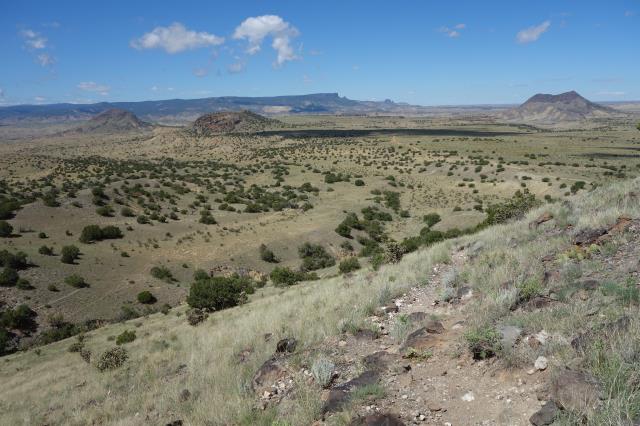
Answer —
569 106
112 121
231 122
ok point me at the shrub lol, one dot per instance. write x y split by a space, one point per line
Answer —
127 212
125 337
267 254
145 297
76 281
431 219
42 235
106 211
512 209
20 318
4 341
70 254
322 370
92 233
483 342
162 273
283 276
5 229
529 289
24 284
206 218
349 264
314 256
112 359
216 293
200 274
8 277
16 261
46 251
359 182
142 219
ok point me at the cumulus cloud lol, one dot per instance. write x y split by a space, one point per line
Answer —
200 72
175 38
91 86
256 29
33 40
453 32
45 59
236 67
533 33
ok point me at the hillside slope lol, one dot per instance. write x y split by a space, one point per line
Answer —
111 121
232 122
569 106
535 319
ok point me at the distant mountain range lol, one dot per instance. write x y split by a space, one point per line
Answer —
182 111
565 107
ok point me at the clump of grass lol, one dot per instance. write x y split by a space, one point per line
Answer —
322 371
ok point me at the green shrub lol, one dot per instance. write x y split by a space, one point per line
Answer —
515 208
46 251
358 182
20 318
4 341
70 254
349 264
207 218
5 229
145 297
8 277
106 211
125 337
76 281
431 219
267 254
92 233
112 359
16 261
162 273
200 274
24 284
483 342
314 256
283 276
529 289
127 212
216 293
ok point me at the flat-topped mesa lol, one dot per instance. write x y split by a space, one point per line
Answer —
232 122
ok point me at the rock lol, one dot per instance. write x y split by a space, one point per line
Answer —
420 340
417 316
185 395
538 302
468 397
378 361
464 292
541 363
576 391
384 310
546 415
286 345
509 335
340 395
269 373
621 225
434 327
586 237
544 217
366 334
386 419
589 284
175 423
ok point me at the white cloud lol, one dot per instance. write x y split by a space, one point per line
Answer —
45 59
256 29
453 32
90 86
236 67
33 40
533 33
175 38
614 93
200 72
40 99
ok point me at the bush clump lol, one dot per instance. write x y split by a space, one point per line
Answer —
112 359
162 273
76 281
5 229
69 254
283 276
146 298
483 342
8 277
126 336
267 254
314 257
92 233
349 264
216 293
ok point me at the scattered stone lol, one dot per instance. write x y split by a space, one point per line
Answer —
468 397
378 420
417 316
420 340
366 334
509 335
434 327
286 345
270 372
185 395
544 217
586 237
378 361
576 391
340 395
541 363
546 415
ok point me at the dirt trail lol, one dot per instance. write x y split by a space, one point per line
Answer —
438 382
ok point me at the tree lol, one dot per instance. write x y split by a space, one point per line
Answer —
314 256
146 298
8 277
218 293
70 254
90 234
349 264
5 229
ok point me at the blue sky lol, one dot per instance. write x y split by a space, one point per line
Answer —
421 52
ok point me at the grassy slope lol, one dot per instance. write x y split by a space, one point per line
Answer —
55 386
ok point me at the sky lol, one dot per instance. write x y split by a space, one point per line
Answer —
422 52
